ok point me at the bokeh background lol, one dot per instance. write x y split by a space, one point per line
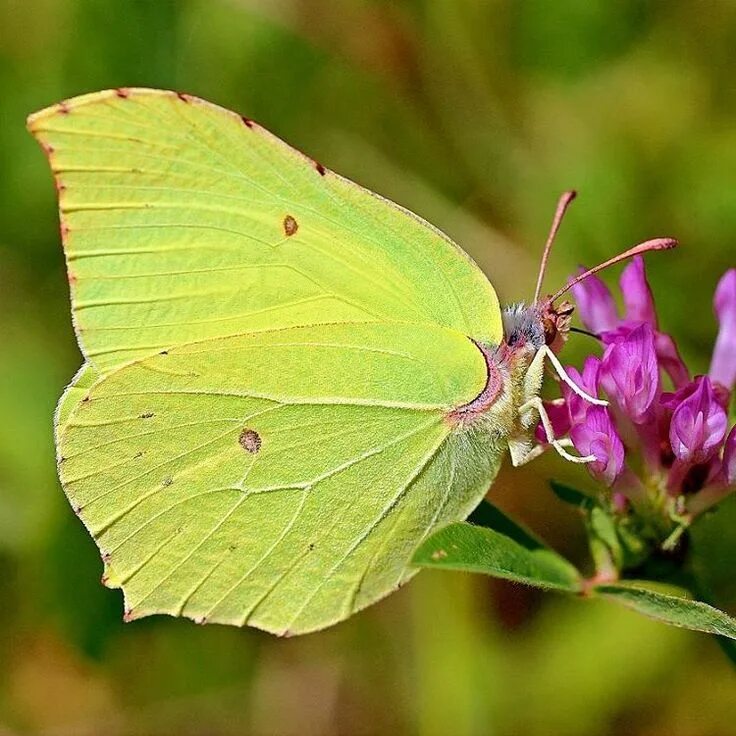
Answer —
476 115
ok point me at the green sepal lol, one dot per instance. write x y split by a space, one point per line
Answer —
494 544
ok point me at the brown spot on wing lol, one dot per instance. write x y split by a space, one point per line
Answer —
250 440
247 121
183 97
290 225
122 92
320 168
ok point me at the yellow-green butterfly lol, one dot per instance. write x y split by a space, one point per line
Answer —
288 380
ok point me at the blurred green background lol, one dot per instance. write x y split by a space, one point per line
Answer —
476 115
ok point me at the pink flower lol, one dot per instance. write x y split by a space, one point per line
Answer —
673 443
588 381
723 365
637 294
698 424
630 373
559 417
597 435
595 304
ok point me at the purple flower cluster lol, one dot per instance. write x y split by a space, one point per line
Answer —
664 435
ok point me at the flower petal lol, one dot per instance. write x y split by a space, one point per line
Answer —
698 423
588 381
670 360
637 293
597 435
629 373
559 417
723 365
596 305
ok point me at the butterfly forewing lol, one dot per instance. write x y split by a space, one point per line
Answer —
183 221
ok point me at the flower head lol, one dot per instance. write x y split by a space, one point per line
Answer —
687 453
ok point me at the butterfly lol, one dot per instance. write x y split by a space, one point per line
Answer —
288 381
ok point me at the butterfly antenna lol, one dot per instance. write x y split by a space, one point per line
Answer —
645 247
562 205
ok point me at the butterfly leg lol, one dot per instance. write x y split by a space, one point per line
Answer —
559 445
562 373
522 455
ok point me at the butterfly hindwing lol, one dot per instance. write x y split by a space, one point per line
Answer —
222 489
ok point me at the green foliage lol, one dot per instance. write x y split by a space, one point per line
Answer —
671 609
500 548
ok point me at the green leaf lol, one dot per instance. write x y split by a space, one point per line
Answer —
572 496
500 548
671 609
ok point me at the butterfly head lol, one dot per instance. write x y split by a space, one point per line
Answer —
531 326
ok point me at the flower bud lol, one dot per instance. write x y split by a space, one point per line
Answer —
630 374
698 423
596 306
637 294
597 435
723 365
